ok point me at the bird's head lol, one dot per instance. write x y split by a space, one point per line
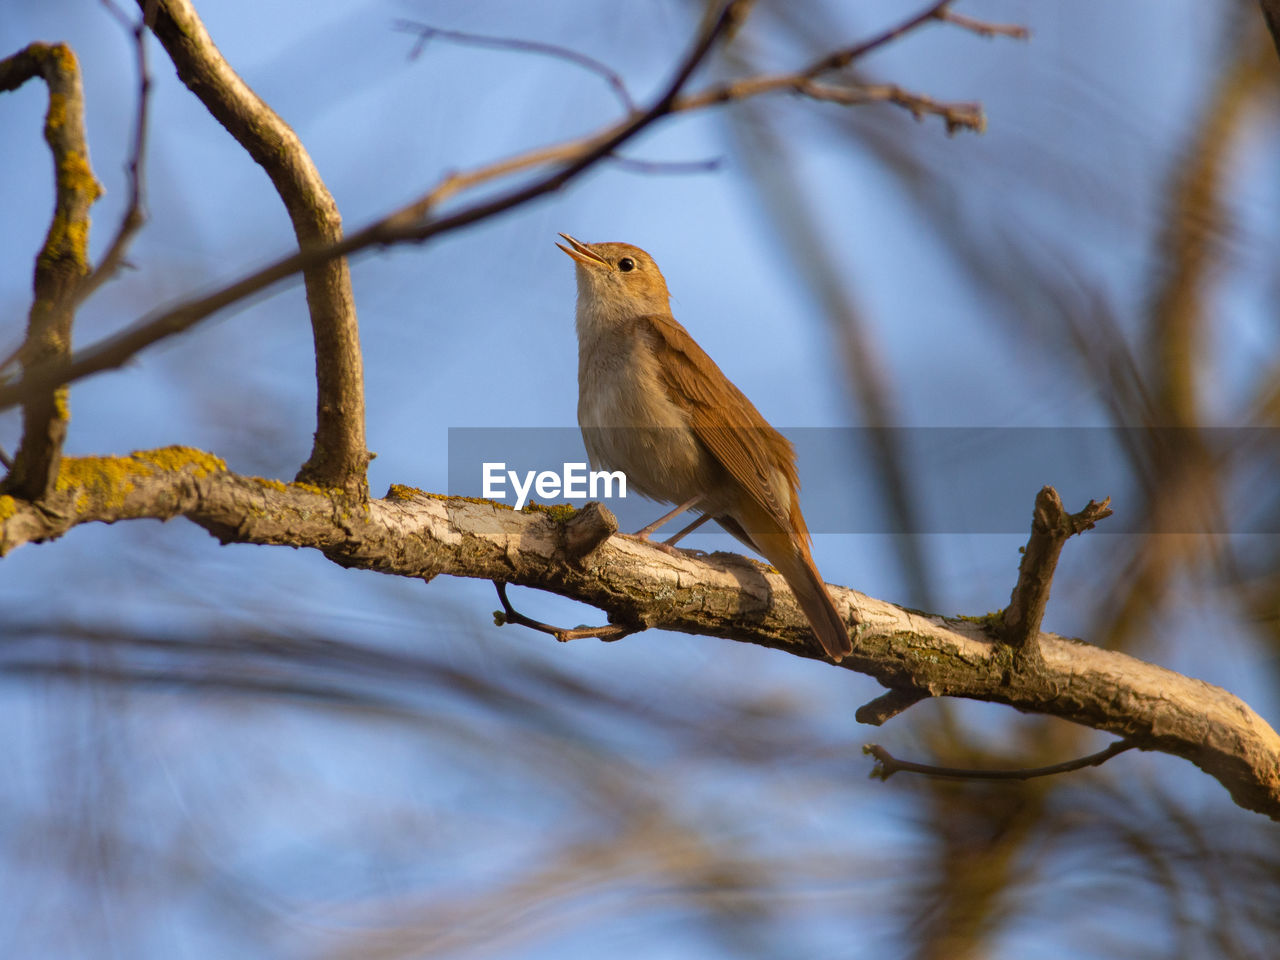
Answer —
617 279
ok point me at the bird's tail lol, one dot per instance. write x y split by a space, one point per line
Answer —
790 556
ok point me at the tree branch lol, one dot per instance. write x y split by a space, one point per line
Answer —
339 457
723 595
414 223
61 266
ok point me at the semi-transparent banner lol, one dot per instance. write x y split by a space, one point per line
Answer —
958 479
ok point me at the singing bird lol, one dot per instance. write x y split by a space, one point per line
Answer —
652 404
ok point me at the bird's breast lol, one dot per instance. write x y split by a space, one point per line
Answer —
630 423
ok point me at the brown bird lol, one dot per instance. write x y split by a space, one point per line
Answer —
652 404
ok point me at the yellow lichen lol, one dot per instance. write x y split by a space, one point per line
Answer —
108 480
400 491
177 457
57 115
76 175
276 485
8 507
559 512
445 496
318 491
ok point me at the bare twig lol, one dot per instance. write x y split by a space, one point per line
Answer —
427 32
888 705
135 211
887 765
984 28
666 166
510 614
61 265
1051 526
840 59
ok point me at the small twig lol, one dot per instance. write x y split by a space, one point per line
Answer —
1051 526
956 116
840 59
666 166
135 211
888 705
982 27
427 32
509 614
887 765
4 459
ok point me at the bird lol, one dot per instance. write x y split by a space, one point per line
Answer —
654 405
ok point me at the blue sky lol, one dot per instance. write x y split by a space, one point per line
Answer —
475 329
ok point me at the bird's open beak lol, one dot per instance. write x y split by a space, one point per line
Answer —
582 252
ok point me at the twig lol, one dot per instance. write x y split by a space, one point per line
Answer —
427 32
984 28
956 116
666 166
135 211
842 58
509 614
1051 526
888 705
887 765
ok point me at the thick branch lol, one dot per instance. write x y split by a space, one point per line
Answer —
722 595
62 264
339 457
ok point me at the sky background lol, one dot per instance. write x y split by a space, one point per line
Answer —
177 812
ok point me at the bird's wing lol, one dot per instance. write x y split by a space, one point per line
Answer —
726 422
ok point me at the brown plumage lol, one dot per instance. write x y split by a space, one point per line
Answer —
653 404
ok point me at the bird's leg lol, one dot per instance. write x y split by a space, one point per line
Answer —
676 538
669 545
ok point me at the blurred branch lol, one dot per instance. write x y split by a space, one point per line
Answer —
339 456
956 116
610 76
61 265
984 28
723 595
1271 13
134 214
415 222
887 765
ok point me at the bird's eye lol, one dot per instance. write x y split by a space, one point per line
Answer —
626 264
